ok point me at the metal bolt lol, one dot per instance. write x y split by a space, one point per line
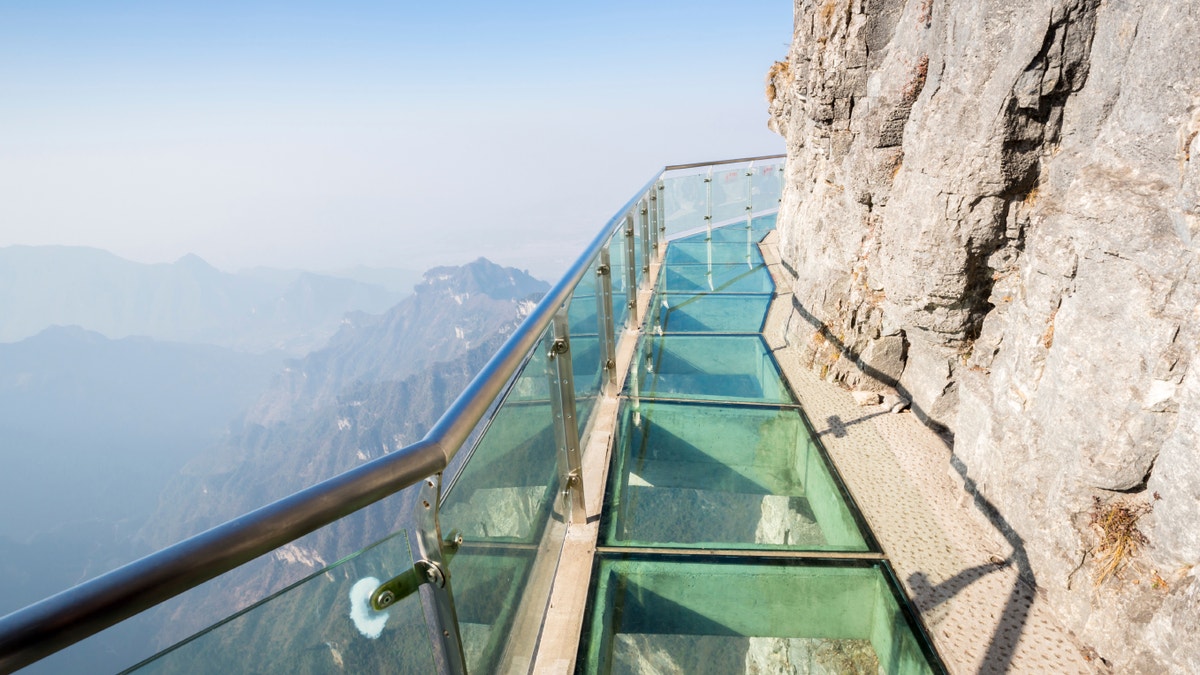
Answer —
385 598
559 346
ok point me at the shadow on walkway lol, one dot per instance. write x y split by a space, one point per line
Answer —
1002 645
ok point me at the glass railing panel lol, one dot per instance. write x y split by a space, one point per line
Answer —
711 476
504 503
616 256
322 624
685 202
587 364
732 616
692 251
706 367
731 193
766 186
639 256
717 279
708 313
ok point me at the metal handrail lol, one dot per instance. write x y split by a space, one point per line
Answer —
63 619
677 167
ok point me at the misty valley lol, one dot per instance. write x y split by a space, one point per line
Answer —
142 404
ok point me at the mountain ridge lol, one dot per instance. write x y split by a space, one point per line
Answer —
188 300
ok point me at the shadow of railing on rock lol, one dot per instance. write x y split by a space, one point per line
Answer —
1003 643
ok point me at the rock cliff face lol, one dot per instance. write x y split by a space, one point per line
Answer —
993 207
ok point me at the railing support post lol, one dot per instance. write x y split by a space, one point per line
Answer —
443 625
566 426
604 318
653 208
749 212
644 222
631 288
708 204
749 194
660 187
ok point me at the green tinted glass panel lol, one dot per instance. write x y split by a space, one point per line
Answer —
711 252
616 255
731 193
737 233
766 186
322 624
582 307
684 202
718 279
723 617
712 476
587 371
586 364
715 368
492 589
503 502
708 313
638 248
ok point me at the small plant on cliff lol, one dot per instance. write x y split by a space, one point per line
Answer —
1115 525
780 72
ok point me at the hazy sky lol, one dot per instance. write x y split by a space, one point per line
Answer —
323 135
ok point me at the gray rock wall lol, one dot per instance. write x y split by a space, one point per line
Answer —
993 207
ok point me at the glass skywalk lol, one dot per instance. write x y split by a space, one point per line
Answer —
727 542
718 615
718 476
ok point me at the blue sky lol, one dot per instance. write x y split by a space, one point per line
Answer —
324 135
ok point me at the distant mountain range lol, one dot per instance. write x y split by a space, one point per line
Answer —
379 385
186 301
122 446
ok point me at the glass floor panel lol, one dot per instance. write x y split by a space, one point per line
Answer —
706 367
716 615
704 475
708 313
734 232
717 279
705 252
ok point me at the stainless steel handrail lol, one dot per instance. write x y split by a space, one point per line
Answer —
677 167
61 620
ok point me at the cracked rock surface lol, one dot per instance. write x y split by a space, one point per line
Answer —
993 210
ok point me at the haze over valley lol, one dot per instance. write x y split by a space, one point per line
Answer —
179 396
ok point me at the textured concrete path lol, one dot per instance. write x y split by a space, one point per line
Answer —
963 575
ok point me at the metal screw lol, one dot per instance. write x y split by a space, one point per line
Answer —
385 598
